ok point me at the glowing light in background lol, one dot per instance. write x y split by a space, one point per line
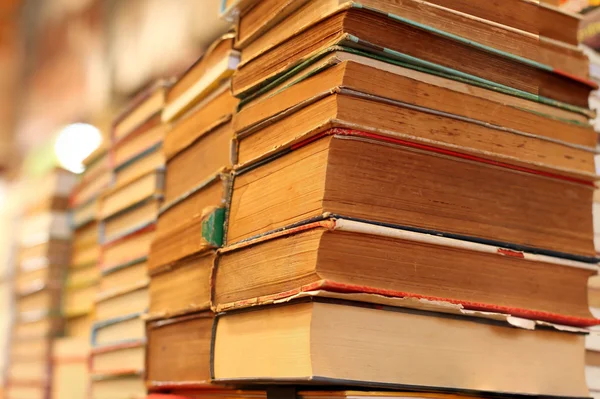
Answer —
74 143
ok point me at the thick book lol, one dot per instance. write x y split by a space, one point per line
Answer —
190 224
182 287
365 176
351 344
441 17
342 255
334 55
537 19
204 76
179 352
390 100
385 34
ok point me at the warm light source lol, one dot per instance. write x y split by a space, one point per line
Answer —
74 143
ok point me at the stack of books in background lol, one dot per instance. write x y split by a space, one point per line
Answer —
9 222
71 352
127 214
43 256
412 199
197 147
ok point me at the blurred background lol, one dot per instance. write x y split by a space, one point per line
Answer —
67 61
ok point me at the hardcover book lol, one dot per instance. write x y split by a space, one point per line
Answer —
437 15
182 287
378 32
366 176
342 255
345 343
352 91
179 352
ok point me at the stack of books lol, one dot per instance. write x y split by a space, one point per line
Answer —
411 201
9 222
197 147
71 352
43 256
127 214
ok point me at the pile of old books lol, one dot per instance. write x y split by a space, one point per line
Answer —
411 202
372 194
197 147
43 256
127 213
71 352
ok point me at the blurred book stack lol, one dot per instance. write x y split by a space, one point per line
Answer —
9 222
43 257
127 214
71 352
411 201
197 147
